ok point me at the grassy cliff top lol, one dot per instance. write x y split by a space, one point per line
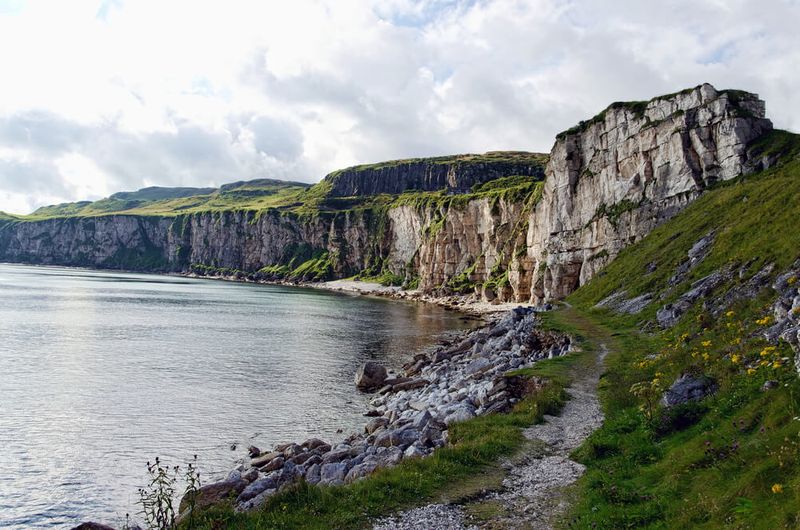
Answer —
491 157
286 196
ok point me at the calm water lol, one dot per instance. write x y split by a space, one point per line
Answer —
102 371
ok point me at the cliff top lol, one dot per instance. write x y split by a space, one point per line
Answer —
704 93
490 157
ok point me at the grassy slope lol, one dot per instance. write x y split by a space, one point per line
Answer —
712 464
459 471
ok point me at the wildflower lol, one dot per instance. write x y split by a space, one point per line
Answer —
706 356
751 371
735 359
776 364
764 363
777 488
763 321
792 280
729 314
706 343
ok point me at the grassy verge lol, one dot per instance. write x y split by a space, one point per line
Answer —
451 473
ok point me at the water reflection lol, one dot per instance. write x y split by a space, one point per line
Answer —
100 372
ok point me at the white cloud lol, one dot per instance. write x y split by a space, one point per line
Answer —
105 95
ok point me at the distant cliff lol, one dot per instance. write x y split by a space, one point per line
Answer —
501 225
456 174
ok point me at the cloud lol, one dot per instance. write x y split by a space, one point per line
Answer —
107 95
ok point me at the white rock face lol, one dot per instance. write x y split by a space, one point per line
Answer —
611 182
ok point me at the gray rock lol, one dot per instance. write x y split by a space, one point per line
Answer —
250 475
333 474
256 502
313 473
272 465
688 388
376 424
370 376
360 471
256 488
459 415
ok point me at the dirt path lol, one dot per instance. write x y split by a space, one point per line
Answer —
531 495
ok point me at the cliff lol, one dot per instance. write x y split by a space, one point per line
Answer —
611 180
456 174
501 225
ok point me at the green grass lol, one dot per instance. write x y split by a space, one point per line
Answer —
709 464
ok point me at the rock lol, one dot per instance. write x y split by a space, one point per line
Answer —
370 376
459 415
256 502
337 455
256 488
303 457
333 474
313 473
275 463
313 443
265 459
250 475
376 424
253 451
92 526
769 385
410 385
413 451
292 451
215 493
360 471
688 388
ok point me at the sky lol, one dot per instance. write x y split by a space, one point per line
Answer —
99 96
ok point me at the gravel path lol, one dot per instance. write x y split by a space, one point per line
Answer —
531 494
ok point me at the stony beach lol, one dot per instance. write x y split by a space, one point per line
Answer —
410 413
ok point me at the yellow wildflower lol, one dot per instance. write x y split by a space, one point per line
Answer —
729 314
706 356
763 321
706 343
792 280
751 371
764 363
777 488
776 364
735 359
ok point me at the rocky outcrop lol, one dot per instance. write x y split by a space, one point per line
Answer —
613 179
456 174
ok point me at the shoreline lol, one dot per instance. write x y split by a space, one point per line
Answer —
409 415
467 304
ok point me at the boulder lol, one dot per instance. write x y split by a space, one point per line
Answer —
253 451
370 376
256 502
688 388
215 493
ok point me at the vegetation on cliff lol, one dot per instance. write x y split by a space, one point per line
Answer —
731 459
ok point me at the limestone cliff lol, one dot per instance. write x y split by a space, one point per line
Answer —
611 180
485 225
